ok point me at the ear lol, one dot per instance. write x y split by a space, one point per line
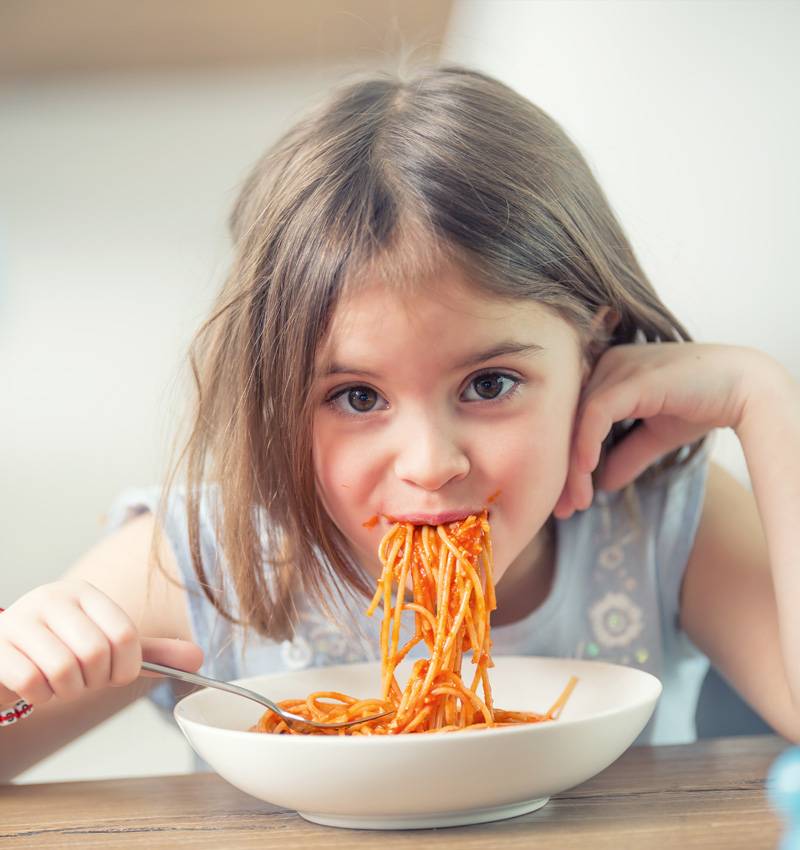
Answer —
601 328
606 318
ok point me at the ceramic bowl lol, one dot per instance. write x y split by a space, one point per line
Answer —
430 780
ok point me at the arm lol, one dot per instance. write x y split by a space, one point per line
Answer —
728 604
770 437
742 584
741 588
117 565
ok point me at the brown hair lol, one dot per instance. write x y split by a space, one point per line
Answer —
389 177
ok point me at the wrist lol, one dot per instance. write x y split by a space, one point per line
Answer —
765 386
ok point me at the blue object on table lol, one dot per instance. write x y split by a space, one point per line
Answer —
783 791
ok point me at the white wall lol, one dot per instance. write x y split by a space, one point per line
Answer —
689 115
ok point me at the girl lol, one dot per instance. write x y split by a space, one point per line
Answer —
432 310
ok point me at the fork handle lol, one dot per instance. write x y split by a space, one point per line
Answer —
197 679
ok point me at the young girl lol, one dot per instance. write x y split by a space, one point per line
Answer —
433 310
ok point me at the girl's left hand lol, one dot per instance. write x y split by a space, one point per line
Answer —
681 391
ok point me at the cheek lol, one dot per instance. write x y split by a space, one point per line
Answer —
535 446
531 467
341 458
333 463
530 471
344 477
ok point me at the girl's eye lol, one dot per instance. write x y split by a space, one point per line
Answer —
490 386
356 400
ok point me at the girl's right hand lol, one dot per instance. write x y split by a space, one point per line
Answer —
67 637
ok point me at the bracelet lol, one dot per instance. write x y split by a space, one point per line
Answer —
19 711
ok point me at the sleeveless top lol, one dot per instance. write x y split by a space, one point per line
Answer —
614 597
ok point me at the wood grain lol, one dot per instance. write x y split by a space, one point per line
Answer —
704 795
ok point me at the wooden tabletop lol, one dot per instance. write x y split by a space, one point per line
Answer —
708 794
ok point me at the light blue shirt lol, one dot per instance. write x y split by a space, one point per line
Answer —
614 597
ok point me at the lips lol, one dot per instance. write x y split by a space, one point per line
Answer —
435 519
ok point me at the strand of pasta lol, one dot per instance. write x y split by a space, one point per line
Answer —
450 569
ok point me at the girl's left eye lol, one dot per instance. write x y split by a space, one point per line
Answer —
356 399
490 386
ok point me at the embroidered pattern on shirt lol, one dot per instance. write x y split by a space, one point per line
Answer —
616 620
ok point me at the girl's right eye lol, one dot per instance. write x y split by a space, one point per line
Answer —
355 400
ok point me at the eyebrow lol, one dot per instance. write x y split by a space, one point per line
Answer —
502 349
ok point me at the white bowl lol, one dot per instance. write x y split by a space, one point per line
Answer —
413 781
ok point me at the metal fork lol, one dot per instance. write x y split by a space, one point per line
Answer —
204 681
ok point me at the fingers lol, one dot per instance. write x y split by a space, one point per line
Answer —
62 639
590 432
640 448
577 495
21 678
120 632
563 508
658 385
635 453
48 668
173 652
596 415
87 642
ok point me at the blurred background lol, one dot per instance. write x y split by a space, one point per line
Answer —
127 128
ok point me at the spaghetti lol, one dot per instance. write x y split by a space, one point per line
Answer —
450 570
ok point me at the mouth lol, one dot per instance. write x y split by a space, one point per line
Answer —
440 518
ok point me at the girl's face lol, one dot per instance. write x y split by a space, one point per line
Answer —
435 406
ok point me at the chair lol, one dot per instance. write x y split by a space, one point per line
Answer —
721 711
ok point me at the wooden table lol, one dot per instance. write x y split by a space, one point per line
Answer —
705 795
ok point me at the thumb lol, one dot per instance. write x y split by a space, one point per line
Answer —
182 654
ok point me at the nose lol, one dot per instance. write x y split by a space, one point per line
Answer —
429 455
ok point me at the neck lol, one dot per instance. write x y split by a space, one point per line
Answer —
527 582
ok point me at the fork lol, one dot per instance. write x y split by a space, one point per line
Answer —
204 681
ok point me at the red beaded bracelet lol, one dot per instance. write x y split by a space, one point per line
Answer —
19 711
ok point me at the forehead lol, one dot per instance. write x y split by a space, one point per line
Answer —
446 313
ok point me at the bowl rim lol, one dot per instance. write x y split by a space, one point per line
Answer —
652 698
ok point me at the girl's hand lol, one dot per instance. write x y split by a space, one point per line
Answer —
67 637
681 391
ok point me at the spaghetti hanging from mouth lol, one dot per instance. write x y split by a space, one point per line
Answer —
450 567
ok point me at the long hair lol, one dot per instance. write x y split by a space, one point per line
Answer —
390 177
